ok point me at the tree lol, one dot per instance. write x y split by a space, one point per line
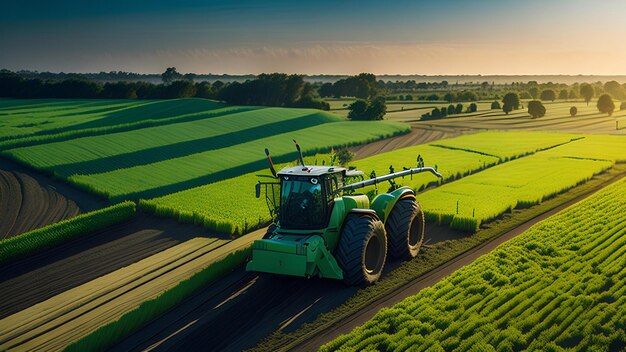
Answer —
495 105
449 97
548 94
458 109
472 107
525 95
451 109
326 90
357 110
377 109
572 94
586 91
170 75
363 110
573 111
444 112
436 113
408 97
605 104
204 90
180 89
344 156
615 89
511 102
536 109
534 92
563 94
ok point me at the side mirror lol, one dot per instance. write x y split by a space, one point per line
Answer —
257 188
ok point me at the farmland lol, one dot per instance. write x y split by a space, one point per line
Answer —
53 116
157 160
237 212
557 118
559 285
176 165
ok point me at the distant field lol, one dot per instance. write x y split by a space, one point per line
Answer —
558 286
588 119
108 152
21 118
179 151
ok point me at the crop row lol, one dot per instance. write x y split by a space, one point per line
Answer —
560 285
521 183
230 206
175 174
51 235
22 118
51 136
216 129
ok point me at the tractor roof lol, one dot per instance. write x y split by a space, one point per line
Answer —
310 170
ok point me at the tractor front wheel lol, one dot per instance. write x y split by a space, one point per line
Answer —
405 229
362 249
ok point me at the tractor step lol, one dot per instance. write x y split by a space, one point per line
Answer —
295 255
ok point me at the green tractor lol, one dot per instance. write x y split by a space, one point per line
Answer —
324 229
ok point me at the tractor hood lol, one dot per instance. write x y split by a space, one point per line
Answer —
297 255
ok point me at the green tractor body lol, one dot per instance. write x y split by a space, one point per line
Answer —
322 231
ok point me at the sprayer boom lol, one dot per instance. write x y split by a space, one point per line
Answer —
387 177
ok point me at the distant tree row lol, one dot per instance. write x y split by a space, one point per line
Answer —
439 113
362 86
275 89
267 89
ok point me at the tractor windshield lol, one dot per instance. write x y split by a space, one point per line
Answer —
301 202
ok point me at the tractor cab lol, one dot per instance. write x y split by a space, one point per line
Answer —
307 196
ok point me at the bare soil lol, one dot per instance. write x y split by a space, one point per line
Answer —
31 280
419 134
26 205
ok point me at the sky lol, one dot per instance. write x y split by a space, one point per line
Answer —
442 37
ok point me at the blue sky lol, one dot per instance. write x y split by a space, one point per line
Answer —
333 37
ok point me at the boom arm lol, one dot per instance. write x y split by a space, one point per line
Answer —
376 180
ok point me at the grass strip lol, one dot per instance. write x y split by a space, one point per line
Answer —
106 336
429 259
54 234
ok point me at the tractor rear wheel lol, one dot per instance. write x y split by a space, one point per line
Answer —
362 249
405 229
270 231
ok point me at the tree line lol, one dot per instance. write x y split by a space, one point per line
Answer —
274 89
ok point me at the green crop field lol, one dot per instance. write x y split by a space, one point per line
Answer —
108 152
174 174
130 149
230 206
467 203
45 116
558 286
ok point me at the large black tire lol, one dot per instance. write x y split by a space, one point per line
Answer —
362 249
270 231
405 229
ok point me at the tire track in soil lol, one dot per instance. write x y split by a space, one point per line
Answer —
246 307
